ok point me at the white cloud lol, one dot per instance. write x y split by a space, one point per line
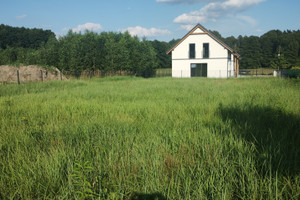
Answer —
140 31
259 31
21 17
217 9
247 19
87 26
187 27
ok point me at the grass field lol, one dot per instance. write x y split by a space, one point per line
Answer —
160 138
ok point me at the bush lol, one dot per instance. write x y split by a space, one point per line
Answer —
293 73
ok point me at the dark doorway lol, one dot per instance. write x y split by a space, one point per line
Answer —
199 70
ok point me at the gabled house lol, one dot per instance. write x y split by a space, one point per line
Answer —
201 54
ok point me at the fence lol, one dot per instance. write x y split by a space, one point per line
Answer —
94 74
203 73
287 73
20 75
264 72
163 72
158 73
28 74
256 72
101 74
23 74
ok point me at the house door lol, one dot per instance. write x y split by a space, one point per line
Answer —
199 70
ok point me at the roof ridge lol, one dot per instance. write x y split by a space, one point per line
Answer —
205 31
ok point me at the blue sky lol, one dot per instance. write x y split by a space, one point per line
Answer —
154 19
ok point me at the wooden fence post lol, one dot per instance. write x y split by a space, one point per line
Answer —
42 75
18 76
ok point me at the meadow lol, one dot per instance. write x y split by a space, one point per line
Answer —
157 138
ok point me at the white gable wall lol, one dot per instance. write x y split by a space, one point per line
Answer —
198 30
217 63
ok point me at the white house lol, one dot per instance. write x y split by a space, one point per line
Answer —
201 54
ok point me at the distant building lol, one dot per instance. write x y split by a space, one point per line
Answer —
201 54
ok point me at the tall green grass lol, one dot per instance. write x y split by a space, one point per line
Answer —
164 138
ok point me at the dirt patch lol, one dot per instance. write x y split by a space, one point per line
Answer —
31 73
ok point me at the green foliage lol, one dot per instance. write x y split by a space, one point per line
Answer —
163 60
293 73
150 138
279 62
23 37
260 51
51 49
173 42
80 180
110 52
216 34
251 52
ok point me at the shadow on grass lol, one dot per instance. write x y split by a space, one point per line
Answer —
276 135
153 196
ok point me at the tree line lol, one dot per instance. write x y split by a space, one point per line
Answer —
107 51
269 50
23 37
112 52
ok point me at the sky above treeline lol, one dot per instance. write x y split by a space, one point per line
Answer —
154 19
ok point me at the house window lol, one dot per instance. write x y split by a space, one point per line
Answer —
192 51
205 50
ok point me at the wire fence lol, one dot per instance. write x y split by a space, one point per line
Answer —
163 72
75 74
264 72
42 75
256 72
23 75
102 74
203 73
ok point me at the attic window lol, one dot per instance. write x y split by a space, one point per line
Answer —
192 51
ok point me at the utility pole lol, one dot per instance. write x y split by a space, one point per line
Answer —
278 57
